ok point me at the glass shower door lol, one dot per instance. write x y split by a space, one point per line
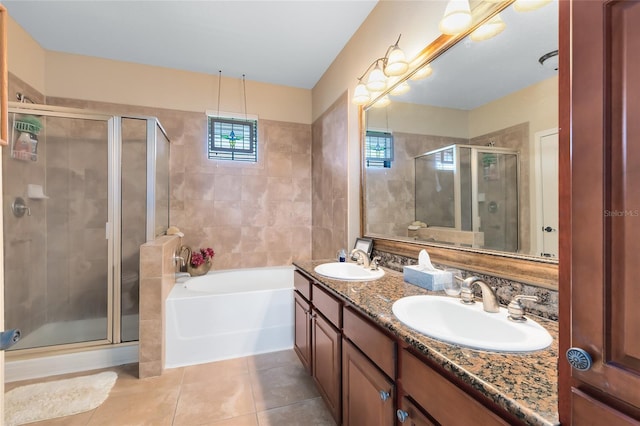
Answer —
497 199
57 255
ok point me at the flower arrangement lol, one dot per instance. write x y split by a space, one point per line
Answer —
204 255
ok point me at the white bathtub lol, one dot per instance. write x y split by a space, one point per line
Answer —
229 314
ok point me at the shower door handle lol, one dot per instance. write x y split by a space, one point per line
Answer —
9 338
548 229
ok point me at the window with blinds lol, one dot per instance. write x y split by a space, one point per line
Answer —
378 149
232 139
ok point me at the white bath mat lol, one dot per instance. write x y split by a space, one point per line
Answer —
42 401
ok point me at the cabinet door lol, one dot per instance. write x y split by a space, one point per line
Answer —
410 415
302 336
326 362
368 394
604 240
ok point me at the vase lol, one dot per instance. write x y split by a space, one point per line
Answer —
196 271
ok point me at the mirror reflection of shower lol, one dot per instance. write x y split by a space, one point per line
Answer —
76 208
467 196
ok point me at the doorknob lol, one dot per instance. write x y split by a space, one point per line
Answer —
579 359
548 229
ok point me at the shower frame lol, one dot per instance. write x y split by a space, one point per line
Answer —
113 228
475 150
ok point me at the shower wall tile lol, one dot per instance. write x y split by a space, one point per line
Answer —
328 185
212 201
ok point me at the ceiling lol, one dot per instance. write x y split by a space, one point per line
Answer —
290 43
473 73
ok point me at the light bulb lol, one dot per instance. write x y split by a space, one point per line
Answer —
457 17
377 81
396 62
491 28
400 89
529 5
360 94
423 72
382 102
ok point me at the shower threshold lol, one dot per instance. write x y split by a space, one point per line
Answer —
76 331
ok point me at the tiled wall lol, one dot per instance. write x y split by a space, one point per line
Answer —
329 191
546 306
251 214
157 278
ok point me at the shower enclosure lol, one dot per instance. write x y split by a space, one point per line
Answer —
468 196
82 191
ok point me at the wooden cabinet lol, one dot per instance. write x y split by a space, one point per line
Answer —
368 395
326 348
600 210
410 415
444 401
318 339
302 333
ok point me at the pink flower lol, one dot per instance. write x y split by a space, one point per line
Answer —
202 256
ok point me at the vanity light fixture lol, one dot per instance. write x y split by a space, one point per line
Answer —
400 89
378 74
528 5
382 102
491 28
457 17
423 72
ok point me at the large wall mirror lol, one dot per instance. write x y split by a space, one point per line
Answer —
474 162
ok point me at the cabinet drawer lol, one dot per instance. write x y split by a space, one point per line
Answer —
327 305
443 400
379 347
302 285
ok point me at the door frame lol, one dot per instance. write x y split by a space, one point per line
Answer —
537 222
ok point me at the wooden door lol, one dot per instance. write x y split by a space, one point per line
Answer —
603 249
302 334
325 355
368 394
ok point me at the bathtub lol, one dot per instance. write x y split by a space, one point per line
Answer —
229 314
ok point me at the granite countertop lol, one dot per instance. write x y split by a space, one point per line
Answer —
524 384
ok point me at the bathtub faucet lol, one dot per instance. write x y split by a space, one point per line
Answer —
177 259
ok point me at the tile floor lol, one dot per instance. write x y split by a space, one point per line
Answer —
262 390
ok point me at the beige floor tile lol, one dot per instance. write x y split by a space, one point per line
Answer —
152 408
281 386
215 370
76 420
310 412
128 381
208 401
247 420
273 359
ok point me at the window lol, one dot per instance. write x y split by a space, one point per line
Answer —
378 149
233 139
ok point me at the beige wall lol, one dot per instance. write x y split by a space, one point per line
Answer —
417 21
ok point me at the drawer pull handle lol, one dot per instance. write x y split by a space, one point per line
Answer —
579 359
402 415
384 395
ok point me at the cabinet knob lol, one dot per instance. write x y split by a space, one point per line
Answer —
384 395
402 415
579 359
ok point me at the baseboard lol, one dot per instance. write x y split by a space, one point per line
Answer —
70 362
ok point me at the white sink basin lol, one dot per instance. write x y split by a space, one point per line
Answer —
348 272
447 319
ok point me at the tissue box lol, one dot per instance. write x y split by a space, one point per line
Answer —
431 280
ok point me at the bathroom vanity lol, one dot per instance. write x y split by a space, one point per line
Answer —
372 369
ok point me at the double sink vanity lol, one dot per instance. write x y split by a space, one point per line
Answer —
358 337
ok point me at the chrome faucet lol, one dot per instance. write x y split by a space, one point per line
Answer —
489 297
362 257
